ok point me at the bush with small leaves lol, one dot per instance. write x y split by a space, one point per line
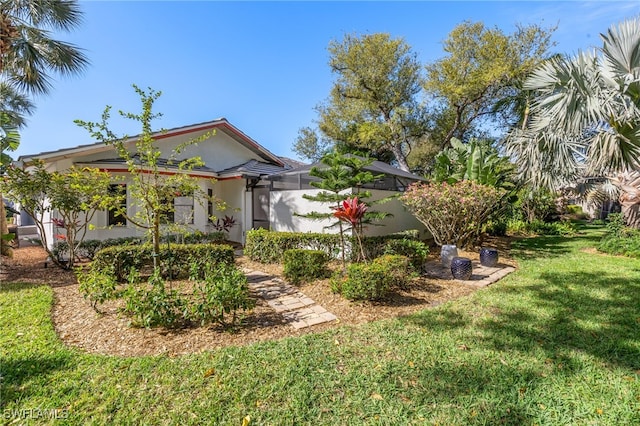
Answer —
154 305
416 251
304 265
363 281
223 292
397 268
453 213
97 285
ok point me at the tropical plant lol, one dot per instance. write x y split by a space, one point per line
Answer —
585 118
28 55
338 174
352 211
477 161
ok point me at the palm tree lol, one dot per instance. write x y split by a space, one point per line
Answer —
28 57
27 53
585 119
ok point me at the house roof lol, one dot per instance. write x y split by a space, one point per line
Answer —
219 124
254 168
376 167
161 162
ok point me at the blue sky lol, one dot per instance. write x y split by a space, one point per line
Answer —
262 65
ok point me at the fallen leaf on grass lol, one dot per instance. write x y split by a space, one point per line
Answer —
377 396
246 421
210 372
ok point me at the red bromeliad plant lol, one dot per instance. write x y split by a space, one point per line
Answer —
352 211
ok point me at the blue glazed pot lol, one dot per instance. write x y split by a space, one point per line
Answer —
461 268
488 256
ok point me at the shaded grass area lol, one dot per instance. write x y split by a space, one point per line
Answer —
557 342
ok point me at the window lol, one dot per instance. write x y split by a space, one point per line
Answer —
183 209
114 217
209 205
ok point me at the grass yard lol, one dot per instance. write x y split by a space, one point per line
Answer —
557 342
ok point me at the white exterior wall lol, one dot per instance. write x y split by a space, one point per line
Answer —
285 204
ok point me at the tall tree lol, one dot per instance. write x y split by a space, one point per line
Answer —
372 105
585 119
28 54
483 67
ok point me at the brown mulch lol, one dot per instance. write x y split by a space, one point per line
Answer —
110 332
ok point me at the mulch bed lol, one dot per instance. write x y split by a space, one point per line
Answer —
110 332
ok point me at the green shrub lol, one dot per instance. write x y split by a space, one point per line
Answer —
304 265
97 285
497 228
538 227
398 269
269 246
615 224
453 213
223 292
416 251
363 281
624 246
175 260
155 306
88 248
372 281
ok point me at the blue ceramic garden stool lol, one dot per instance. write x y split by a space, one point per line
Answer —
488 257
461 268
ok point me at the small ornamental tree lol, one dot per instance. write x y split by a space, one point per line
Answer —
453 213
73 196
153 185
338 174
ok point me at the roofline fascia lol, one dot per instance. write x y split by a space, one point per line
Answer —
101 147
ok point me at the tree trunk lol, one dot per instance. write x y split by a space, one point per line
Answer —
5 249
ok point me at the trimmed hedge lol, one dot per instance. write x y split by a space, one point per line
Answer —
175 261
372 281
304 265
88 248
269 246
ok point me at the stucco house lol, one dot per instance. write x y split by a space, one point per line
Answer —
248 179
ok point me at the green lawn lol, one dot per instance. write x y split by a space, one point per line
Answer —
555 343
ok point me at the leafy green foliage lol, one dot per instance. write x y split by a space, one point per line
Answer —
373 103
154 305
416 251
173 260
538 227
269 246
304 265
75 196
398 269
477 161
453 214
620 239
97 285
221 294
363 281
154 189
481 75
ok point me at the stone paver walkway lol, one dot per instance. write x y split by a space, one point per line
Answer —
482 276
297 309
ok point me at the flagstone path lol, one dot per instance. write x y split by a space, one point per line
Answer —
297 309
